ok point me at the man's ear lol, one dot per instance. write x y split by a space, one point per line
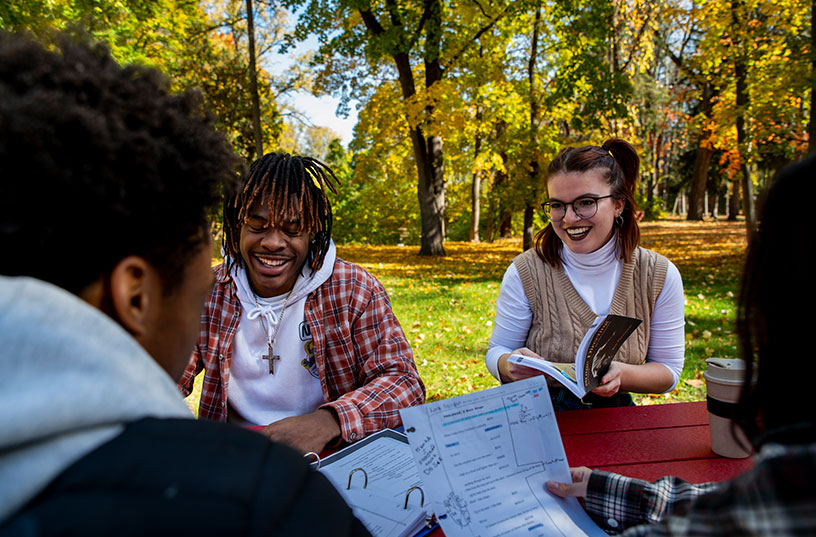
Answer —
134 288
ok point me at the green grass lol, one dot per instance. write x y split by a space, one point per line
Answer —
446 304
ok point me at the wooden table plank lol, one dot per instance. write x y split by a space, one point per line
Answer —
638 446
647 442
696 471
601 420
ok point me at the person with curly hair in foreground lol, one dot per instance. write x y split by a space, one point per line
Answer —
108 180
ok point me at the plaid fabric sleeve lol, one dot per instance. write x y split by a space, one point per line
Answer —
617 502
195 366
369 366
219 322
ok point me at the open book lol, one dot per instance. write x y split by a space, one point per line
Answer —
596 351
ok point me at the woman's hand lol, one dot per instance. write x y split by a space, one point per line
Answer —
576 489
513 372
611 382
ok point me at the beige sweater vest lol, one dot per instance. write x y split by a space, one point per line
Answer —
561 318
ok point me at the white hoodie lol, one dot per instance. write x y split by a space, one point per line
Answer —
255 396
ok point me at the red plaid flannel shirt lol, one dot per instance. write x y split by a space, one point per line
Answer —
366 365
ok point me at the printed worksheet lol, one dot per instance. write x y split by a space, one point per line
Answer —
484 458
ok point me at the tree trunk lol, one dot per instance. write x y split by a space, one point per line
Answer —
432 203
431 193
734 201
476 190
253 83
427 148
702 159
506 224
527 236
741 73
476 182
430 171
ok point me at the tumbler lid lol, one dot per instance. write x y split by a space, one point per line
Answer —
725 368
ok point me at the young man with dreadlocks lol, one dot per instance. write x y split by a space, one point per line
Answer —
293 337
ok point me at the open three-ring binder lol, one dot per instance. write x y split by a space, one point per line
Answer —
379 480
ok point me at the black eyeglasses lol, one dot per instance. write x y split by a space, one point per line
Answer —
584 208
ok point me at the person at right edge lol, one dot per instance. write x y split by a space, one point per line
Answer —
777 497
587 262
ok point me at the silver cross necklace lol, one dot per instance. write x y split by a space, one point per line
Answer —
271 357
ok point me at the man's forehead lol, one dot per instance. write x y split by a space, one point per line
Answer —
264 208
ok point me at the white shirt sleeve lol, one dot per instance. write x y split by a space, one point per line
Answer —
512 322
667 328
667 338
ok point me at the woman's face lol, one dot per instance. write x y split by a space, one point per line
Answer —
584 235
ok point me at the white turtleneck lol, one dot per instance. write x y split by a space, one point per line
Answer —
595 277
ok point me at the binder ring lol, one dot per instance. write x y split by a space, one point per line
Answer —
421 498
313 459
365 474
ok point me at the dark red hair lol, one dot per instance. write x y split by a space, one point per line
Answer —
620 163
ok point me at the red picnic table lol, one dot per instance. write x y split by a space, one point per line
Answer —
647 442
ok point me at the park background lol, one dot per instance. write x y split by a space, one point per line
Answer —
460 104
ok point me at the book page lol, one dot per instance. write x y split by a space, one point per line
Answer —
568 370
563 373
485 457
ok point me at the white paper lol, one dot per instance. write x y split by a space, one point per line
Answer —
484 458
387 462
383 517
377 496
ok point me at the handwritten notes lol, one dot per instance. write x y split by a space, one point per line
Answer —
484 458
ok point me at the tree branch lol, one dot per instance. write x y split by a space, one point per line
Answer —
476 37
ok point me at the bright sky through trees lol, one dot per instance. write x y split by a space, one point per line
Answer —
320 111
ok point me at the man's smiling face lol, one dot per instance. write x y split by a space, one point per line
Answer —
273 252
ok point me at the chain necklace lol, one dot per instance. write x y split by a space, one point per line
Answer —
271 356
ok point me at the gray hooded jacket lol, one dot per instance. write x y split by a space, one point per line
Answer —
70 378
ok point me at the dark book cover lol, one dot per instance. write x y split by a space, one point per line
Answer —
603 345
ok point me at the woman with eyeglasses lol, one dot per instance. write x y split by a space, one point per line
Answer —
776 497
587 262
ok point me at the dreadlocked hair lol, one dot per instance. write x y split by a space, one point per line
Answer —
284 182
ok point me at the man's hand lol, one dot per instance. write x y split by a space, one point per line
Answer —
309 432
578 487
513 372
